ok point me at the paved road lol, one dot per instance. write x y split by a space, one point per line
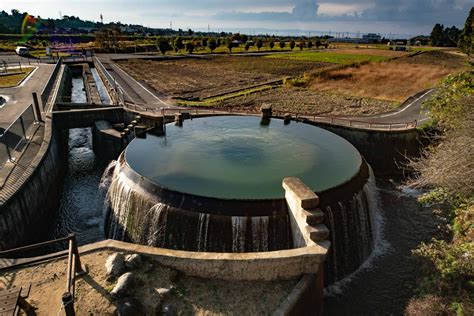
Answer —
135 91
19 98
410 111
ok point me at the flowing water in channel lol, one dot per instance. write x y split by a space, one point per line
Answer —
386 282
80 201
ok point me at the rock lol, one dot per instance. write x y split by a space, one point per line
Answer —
174 275
169 310
129 307
133 261
114 265
163 292
124 285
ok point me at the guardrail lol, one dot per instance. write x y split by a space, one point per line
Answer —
49 86
74 270
16 136
340 121
280 114
115 92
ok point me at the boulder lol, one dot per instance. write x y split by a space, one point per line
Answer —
133 261
124 285
114 265
164 292
129 307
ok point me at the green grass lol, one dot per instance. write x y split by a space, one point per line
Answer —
329 57
14 79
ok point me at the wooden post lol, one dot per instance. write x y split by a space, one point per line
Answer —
68 304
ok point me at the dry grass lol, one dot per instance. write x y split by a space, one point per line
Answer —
15 78
393 80
449 165
371 52
291 99
385 81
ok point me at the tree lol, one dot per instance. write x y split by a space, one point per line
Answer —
310 44
189 47
229 44
244 38
302 45
247 46
204 42
282 44
212 44
292 44
178 43
318 44
259 44
326 45
437 35
271 44
164 46
466 38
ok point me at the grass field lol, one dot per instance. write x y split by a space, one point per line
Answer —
393 80
14 79
344 57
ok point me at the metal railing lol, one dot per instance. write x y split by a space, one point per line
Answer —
15 137
74 268
50 85
280 114
348 122
115 92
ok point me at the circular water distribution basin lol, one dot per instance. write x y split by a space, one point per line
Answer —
237 158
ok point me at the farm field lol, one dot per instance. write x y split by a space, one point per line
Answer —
301 100
394 80
341 56
203 77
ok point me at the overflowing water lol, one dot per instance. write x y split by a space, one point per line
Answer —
135 215
384 284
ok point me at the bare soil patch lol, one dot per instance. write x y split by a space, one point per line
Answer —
192 296
305 101
201 78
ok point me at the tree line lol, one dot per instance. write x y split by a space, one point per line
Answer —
442 36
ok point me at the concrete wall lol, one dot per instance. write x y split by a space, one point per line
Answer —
25 215
385 151
306 298
86 118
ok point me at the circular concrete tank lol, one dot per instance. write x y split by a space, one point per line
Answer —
214 184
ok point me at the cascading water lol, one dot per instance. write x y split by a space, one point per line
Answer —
354 227
134 215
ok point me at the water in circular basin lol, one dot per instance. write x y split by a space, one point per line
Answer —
235 157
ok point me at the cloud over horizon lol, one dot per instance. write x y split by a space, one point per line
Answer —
402 16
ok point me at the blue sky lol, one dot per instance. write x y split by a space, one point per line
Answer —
399 17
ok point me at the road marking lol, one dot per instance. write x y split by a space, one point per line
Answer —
151 93
407 106
27 78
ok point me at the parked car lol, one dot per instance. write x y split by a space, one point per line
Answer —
21 50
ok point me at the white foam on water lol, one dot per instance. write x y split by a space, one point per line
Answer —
381 246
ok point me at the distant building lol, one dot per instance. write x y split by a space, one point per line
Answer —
371 38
